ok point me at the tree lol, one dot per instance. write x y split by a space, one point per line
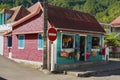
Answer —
2 6
113 39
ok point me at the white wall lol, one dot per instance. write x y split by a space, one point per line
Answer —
1 44
118 49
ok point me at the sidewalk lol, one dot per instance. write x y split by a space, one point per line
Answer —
113 64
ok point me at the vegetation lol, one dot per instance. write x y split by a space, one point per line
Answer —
104 10
113 39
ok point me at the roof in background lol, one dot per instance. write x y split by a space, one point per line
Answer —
19 12
16 13
65 18
35 9
7 11
116 22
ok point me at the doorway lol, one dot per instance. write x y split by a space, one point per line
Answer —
82 48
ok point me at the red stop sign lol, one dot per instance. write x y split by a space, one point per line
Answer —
52 34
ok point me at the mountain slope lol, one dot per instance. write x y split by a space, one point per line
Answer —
104 10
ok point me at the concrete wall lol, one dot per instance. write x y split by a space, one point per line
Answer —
116 29
64 67
118 49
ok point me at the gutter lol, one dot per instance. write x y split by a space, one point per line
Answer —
81 31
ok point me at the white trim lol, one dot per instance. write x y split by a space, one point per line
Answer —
9 47
85 47
55 51
20 48
40 49
80 30
102 44
53 55
24 41
82 34
1 45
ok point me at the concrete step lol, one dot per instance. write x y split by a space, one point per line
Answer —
88 73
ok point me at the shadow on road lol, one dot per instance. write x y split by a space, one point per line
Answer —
114 64
110 73
2 78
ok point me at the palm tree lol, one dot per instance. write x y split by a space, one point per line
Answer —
113 39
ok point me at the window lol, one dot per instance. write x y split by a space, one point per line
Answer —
9 38
67 41
7 16
95 42
40 41
21 41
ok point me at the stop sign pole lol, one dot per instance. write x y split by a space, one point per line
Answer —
52 35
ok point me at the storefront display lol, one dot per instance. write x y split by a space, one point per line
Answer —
76 47
67 41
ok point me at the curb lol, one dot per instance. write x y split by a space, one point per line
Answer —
89 73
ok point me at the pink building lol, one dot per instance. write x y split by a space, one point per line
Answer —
26 37
78 33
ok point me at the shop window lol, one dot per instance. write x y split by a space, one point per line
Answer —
67 41
40 41
9 41
21 39
95 42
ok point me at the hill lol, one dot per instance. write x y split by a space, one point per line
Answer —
104 10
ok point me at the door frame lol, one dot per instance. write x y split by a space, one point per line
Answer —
85 44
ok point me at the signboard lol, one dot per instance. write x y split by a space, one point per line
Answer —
52 34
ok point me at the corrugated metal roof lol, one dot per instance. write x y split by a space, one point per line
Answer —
66 18
19 12
71 19
116 22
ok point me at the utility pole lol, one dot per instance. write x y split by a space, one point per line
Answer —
45 54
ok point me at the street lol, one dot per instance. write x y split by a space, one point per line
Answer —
10 70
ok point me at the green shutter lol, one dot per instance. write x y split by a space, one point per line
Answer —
77 45
40 41
59 44
89 43
21 41
3 18
0 19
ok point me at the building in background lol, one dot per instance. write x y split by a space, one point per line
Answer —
7 18
116 28
107 27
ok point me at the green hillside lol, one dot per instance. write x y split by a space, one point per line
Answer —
104 10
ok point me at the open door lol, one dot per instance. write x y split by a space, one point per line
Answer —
82 48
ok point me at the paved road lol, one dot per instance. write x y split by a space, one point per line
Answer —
10 70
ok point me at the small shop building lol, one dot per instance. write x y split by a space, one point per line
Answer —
79 37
